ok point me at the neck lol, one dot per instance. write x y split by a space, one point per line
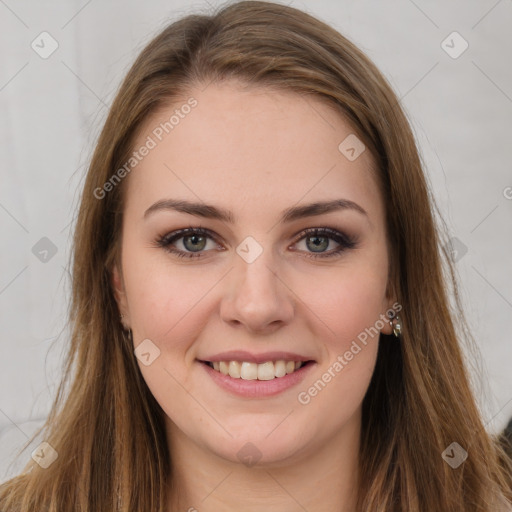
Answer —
324 478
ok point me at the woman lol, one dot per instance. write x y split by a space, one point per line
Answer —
260 317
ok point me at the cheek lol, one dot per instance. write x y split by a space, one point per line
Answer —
165 299
346 301
347 312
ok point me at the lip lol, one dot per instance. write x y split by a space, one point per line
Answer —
241 355
258 388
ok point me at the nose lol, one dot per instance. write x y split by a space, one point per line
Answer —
258 298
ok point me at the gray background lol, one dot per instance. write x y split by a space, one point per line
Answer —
52 110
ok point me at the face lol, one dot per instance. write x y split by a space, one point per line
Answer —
258 284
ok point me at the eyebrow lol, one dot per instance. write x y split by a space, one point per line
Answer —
288 215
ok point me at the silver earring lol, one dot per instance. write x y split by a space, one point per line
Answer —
396 324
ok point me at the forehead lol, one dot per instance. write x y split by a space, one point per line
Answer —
245 147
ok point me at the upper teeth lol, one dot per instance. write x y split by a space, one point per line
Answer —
252 371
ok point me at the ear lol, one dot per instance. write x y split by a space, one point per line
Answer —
120 296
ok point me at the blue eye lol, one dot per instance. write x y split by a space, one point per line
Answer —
318 239
195 240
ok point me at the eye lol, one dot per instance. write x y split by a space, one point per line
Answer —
194 241
317 240
190 239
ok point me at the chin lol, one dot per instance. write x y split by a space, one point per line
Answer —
270 447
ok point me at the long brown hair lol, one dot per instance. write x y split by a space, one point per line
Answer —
108 429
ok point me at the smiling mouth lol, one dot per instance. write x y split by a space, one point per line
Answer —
252 371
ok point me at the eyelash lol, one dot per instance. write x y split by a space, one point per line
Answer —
345 242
